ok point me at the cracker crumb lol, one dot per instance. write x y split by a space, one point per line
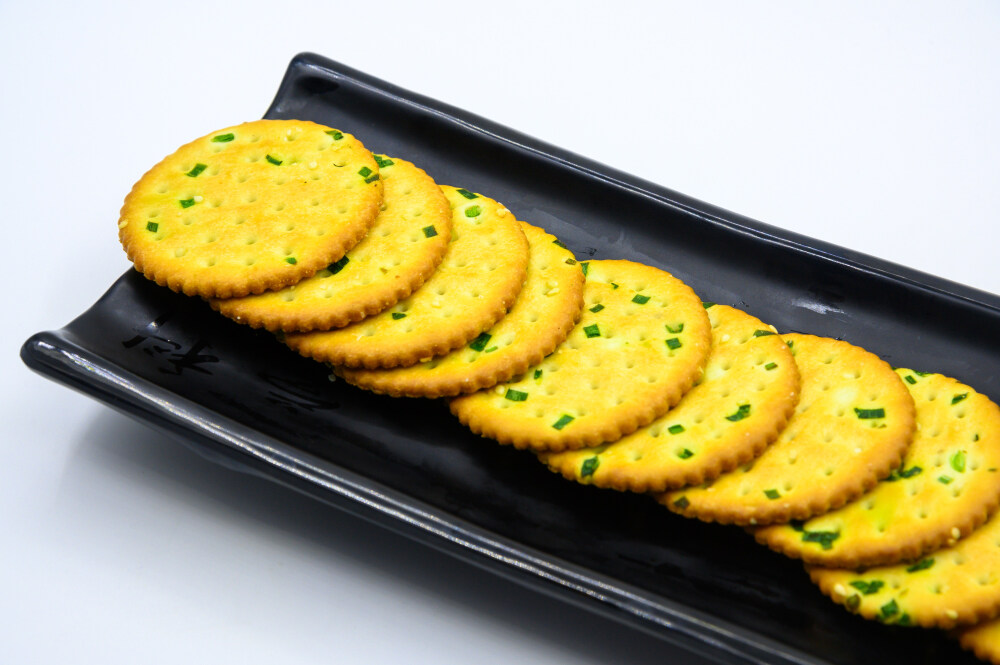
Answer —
955 533
198 199
502 212
499 390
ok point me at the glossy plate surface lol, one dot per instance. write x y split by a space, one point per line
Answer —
242 398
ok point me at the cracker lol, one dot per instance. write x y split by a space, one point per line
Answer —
640 344
248 208
957 585
474 286
705 434
851 427
402 249
541 318
947 486
983 640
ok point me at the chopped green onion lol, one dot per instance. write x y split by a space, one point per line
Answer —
614 286
772 494
473 211
853 602
640 299
685 454
682 503
742 412
335 134
291 260
592 330
372 178
515 395
889 610
152 226
909 379
868 588
186 203
469 195
398 315
597 308
678 329
921 373
365 172
675 429
223 138
923 564
480 342
570 262
538 374
564 420
904 620
706 305
589 466
824 538
945 480
958 461
430 231
490 350
762 333
556 242
789 343
958 398
382 161
904 473
273 160
867 414
673 343
196 171
770 366
585 266
338 265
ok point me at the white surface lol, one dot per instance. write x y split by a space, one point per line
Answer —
871 127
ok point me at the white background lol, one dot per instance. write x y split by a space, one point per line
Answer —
871 125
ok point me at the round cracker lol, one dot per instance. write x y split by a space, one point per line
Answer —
983 640
851 427
619 368
474 286
957 585
706 433
947 486
541 318
402 249
252 207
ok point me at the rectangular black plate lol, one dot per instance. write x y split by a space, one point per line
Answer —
237 395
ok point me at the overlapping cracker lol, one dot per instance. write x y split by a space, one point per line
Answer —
947 486
541 318
852 425
748 391
248 208
640 344
474 286
983 640
402 249
956 585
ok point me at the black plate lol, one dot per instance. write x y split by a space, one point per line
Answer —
237 395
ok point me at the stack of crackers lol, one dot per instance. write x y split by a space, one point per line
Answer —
884 481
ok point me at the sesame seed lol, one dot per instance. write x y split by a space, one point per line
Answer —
840 590
198 199
122 225
955 533
951 614
312 165
499 390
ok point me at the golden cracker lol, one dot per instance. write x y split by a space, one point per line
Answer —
851 427
640 344
402 249
248 208
983 640
947 486
474 286
957 585
745 397
541 318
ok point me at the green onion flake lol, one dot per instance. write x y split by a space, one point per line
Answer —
678 329
589 466
707 305
480 342
762 333
398 315
592 330
365 172
772 494
889 610
640 299
186 203
383 161
958 398
909 379
866 414
515 395
564 419
467 194
223 138
430 231
770 366
196 171
335 134
824 538
958 461
291 260
682 503
597 308
585 266
675 429
152 226
338 265
473 211
923 564
673 343
538 374
571 262
273 160
556 242
867 588
742 412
